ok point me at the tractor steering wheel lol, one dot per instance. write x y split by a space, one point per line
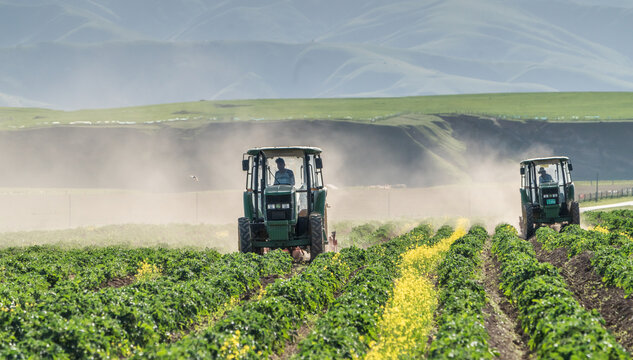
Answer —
271 174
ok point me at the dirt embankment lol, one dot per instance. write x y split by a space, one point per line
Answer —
165 159
599 147
354 153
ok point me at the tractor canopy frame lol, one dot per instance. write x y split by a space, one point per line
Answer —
547 192
283 207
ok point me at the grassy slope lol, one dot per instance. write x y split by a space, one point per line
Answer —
608 201
550 106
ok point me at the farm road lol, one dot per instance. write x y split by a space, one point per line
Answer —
600 207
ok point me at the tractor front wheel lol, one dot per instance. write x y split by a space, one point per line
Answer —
316 235
575 213
527 225
244 234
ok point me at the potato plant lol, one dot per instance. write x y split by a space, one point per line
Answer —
418 295
68 320
558 326
460 325
620 221
351 323
610 252
261 327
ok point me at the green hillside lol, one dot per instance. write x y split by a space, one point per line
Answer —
557 107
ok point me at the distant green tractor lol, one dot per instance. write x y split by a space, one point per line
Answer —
547 194
284 206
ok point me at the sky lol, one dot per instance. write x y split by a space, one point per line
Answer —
83 54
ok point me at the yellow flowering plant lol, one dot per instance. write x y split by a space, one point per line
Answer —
408 316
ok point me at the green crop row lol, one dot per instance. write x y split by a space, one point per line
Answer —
610 252
576 240
261 327
460 326
343 331
558 326
372 233
351 323
69 322
41 268
615 220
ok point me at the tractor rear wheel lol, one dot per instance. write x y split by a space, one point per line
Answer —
316 235
244 233
575 213
527 225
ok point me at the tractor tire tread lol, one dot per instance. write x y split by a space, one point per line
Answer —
527 226
244 231
575 213
316 235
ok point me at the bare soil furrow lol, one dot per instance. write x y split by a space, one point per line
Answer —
118 282
297 267
502 324
592 293
292 346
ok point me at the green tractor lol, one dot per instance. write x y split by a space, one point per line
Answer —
547 194
284 201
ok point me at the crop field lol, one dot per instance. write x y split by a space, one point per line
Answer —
565 107
454 290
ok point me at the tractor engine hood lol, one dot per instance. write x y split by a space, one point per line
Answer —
549 185
280 206
279 190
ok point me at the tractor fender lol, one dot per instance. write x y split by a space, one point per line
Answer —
319 201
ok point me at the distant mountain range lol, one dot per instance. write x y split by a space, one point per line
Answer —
109 53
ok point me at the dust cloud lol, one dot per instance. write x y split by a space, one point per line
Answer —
73 177
488 194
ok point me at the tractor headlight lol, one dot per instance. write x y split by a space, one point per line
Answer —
277 206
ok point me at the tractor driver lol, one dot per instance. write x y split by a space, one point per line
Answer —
544 176
283 176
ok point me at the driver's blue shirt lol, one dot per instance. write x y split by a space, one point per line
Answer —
284 177
545 178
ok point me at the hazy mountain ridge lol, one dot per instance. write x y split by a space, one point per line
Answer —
76 53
